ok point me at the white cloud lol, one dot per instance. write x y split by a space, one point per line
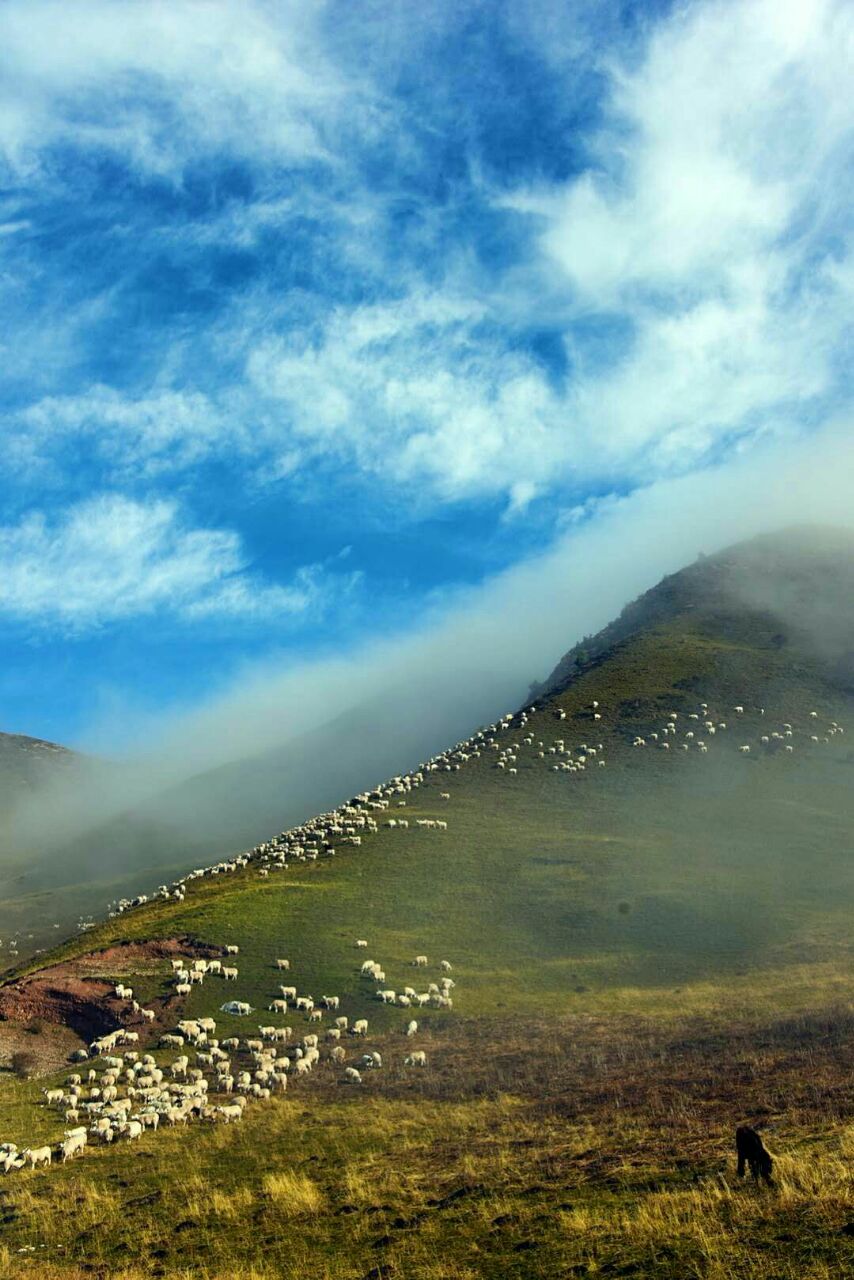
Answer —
716 139
110 558
416 394
145 435
155 82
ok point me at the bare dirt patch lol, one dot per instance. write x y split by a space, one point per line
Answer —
79 995
138 957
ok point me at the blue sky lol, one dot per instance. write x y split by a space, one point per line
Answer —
318 317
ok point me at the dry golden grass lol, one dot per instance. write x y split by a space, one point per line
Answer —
293 1194
584 1149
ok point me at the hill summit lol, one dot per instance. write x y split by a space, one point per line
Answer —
788 595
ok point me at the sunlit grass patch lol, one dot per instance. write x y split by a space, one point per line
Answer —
293 1193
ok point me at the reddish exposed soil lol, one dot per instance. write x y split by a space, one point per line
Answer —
64 998
79 993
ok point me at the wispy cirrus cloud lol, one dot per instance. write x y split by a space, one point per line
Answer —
164 432
154 84
110 558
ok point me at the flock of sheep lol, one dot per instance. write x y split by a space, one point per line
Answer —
125 1093
343 827
703 725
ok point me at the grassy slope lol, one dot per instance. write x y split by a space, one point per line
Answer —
663 888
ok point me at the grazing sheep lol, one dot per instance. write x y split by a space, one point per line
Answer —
73 1145
417 1059
283 964
36 1155
750 1150
411 1028
352 1076
360 1027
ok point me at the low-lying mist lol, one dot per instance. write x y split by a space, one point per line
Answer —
286 742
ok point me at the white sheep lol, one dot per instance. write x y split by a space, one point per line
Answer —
72 1145
36 1155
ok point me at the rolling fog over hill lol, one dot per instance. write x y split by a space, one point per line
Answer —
775 613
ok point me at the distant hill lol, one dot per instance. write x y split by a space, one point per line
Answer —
26 763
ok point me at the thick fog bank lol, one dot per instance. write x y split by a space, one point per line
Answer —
287 741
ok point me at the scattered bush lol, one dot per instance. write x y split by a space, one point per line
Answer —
23 1064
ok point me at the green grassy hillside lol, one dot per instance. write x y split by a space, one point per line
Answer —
646 953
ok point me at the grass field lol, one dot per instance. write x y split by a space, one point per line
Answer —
645 954
602 1152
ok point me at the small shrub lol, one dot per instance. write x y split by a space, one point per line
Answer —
23 1064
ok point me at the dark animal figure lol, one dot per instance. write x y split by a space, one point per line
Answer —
748 1145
